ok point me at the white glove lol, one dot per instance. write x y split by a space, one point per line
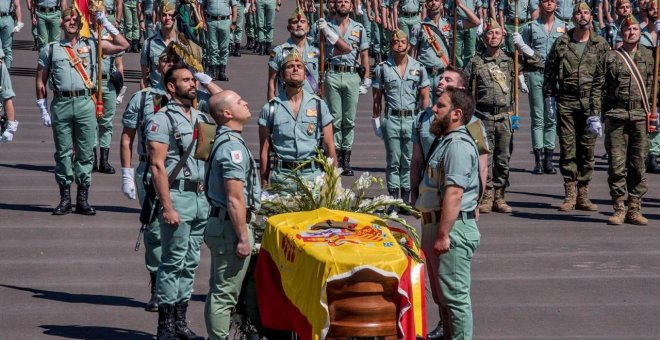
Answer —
128 183
247 8
364 87
594 126
480 28
551 107
375 123
522 84
203 78
521 46
100 16
122 92
19 26
329 34
45 116
359 10
657 25
8 135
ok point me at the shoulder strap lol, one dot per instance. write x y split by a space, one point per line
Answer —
208 171
634 71
177 133
433 41
77 64
148 51
271 117
140 120
179 165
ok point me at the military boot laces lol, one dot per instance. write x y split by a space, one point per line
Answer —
538 162
583 202
65 201
152 305
486 205
82 206
619 211
500 205
166 323
548 167
181 325
634 214
104 165
569 200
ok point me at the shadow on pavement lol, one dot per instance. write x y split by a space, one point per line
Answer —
569 217
106 300
93 332
49 209
363 169
31 167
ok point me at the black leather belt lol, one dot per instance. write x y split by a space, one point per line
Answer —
343 68
434 216
432 71
218 17
47 9
222 215
628 106
293 165
494 109
188 185
408 15
71 94
510 21
104 76
6 14
143 158
400 113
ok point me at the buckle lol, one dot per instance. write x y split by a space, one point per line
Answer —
75 61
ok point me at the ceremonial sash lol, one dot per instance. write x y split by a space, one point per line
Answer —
636 76
77 64
435 45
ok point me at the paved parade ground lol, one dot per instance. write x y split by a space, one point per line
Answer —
538 273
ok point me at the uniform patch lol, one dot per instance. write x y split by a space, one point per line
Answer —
446 28
311 55
84 49
311 113
561 29
236 156
355 33
415 72
154 128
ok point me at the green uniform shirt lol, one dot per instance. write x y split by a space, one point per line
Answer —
310 56
151 97
473 5
425 52
6 6
646 39
535 35
160 130
525 9
6 90
62 76
408 7
400 91
423 137
218 7
233 160
355 36
148 8
292 139
155 45
48 3
491 79
109 5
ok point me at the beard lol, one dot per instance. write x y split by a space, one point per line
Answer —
186 94
440 127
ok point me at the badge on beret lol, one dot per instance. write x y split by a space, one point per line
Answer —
311 113
154 128
236 156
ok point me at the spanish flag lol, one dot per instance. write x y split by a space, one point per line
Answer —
82 7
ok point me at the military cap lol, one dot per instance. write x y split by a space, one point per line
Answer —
297 15
581 6
491 25
167 6
70 11
628 21
399 34
294 55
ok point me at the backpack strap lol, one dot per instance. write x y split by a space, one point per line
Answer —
140 121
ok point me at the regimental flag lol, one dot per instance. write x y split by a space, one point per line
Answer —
82 6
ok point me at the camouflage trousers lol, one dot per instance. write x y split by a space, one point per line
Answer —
627 145
576 144
499 139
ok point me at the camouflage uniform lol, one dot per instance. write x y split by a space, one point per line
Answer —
575 72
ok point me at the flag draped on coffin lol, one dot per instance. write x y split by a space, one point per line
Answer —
297 261
82 6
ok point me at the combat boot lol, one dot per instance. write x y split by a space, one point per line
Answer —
486 204
181 325
347 164
652 166
95 164
257 47
405 197
65 201
569 200
583 202
250 44
237 49
619 211
500 205
392 208
436 334
548 167
104 166
152 305
340 159
222 75
82 206
265 48
538 162
166 323
634 214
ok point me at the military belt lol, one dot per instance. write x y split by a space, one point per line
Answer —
408 15
222 215
71 94
433 71
47 9
510 21
218 17
6 14
292 165
400 113
494 109
628 106
188 185
434 216
343 68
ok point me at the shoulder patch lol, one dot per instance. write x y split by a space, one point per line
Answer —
153 128
236 156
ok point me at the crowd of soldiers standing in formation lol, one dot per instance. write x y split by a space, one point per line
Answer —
584 78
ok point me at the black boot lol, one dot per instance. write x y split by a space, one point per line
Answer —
538 162
340 159
392 208
548 167
65 201
237 49
257 48
377 59
652 166
166 323
104 166
82 206
405 196
136 46
95 164
250 44
222 75
181 325
265 49
436 334
347 164
152 305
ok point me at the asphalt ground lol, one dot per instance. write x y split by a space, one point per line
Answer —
538 273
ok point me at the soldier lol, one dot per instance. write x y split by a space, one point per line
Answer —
491 78
73 106
572 63
7 96
9 9
298 28
147 17
342 81
406 14
623 8
451 185
237 33
266 24
534 43
466 40
178 181
251 25
113 9
46 14
234 193
431 40
219 23
156 44
507 15
623 80
400 80
291 126
131 25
